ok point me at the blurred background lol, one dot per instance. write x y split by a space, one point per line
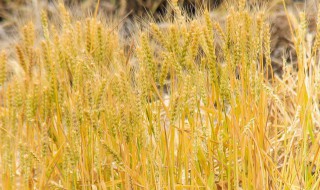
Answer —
136 7
155 8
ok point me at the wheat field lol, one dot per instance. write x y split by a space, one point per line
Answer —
192 104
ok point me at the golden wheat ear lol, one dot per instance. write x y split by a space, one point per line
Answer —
3 68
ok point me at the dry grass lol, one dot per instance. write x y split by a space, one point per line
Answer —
81 109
